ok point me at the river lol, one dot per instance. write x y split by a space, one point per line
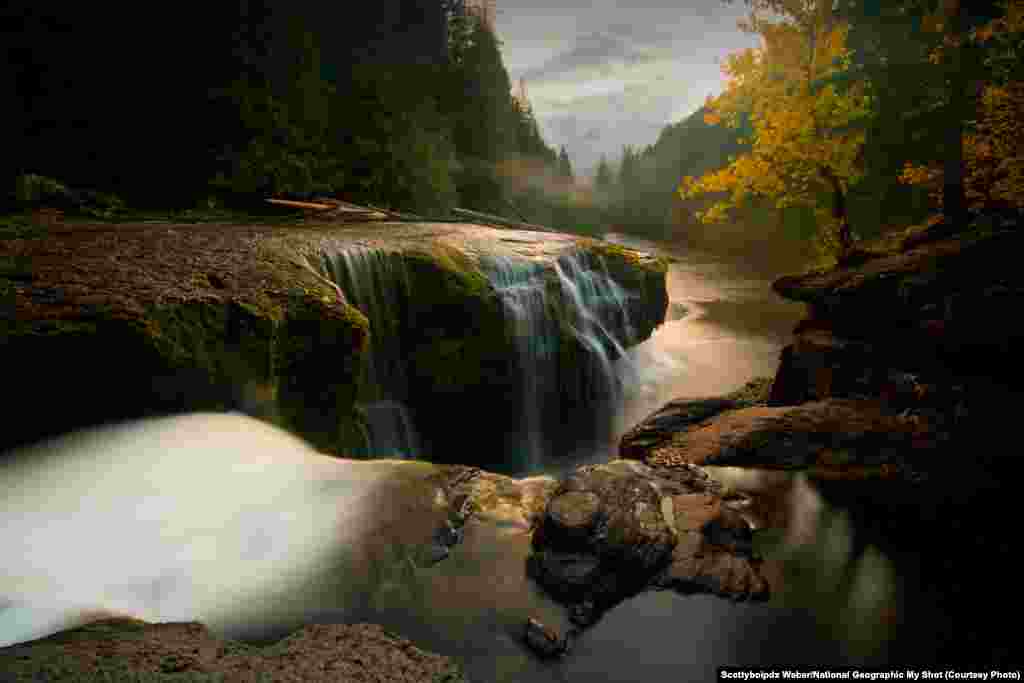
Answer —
129 527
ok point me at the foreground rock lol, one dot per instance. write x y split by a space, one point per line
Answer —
128 649
611 531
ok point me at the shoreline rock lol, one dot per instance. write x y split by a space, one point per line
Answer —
111 648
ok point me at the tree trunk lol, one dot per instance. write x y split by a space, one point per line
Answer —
839 211
954 204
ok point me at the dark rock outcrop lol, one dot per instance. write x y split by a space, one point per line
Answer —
833 436
930 307
677 416
613 530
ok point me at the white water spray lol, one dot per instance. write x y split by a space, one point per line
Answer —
184 518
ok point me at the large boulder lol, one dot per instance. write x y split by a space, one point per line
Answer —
612 530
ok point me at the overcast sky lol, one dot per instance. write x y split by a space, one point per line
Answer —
605 73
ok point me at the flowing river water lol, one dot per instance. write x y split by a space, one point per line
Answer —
208 518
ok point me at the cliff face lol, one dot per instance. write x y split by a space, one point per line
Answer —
105 322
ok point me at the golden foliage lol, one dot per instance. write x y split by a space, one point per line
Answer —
804 127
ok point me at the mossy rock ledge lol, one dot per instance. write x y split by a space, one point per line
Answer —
103 322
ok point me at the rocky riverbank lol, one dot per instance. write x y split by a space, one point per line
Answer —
899 360
896 397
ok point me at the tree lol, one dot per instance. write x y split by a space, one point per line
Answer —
807 120
603 178
564 165
627 170
987 167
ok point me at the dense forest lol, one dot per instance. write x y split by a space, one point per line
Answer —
853 118
403 103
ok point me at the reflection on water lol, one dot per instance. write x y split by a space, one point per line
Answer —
824 564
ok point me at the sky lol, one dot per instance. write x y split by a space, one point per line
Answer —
601 74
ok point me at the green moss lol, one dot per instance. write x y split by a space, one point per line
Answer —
319 362
446 274
21 227
625 255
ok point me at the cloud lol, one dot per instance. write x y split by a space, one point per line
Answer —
589 53
603 73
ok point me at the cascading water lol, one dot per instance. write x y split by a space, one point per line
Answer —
567 322
375 282
580 306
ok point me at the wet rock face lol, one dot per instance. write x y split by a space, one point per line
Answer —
680 415
834 435
612 530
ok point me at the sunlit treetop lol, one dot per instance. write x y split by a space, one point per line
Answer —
808 125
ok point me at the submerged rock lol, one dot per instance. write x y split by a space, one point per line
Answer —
545 641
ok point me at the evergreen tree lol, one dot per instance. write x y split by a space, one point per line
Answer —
603 178
627 170
564 165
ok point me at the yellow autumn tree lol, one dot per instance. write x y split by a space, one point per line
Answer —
807 121
993 149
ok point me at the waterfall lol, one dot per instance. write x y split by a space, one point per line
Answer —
375 282
521 285
582 300
566 322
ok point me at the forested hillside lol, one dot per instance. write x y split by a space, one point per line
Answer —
850 120
402 103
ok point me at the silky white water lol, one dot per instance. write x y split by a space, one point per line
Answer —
168 519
